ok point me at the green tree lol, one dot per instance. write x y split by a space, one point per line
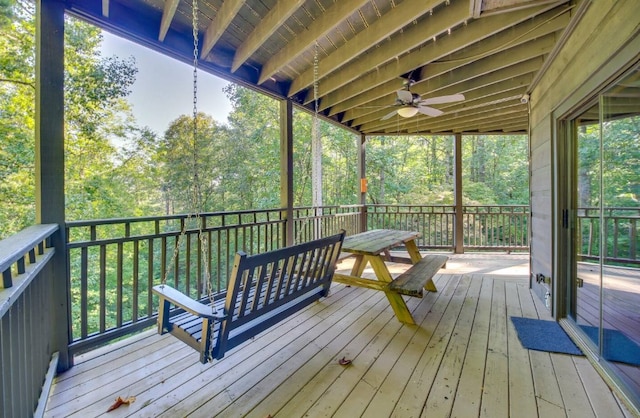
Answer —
190 165
101 136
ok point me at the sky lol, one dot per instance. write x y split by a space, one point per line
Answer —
164 86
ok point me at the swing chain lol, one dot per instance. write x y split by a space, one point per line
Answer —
195 65
204 243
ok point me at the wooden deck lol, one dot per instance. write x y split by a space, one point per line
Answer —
462 359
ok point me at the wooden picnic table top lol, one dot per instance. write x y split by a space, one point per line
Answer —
377 241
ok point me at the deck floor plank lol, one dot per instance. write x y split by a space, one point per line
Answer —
327 378
388 394
463 359
522 401
469 394
251 371
376 320
324 368
495 399
247 392
370 383
414 397
445 384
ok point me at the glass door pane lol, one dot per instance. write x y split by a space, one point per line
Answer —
586 284
620 334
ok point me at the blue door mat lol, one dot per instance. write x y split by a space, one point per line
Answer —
617 346
540 335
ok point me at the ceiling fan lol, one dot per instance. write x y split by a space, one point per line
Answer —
410 104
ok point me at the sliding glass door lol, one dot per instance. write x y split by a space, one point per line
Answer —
604 284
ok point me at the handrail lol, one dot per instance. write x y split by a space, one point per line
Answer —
26 302
19 250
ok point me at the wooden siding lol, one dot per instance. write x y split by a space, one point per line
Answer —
603 30
463 359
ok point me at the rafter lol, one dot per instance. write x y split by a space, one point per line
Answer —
219 24
282 10
398 46
170 7
477 38
505 65
391 22
331 18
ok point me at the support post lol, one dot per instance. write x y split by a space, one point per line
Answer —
362 168
458 227
286 168
49 162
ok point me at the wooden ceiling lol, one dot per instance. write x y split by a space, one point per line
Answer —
351 56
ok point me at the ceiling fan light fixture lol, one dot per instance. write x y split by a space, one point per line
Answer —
407 111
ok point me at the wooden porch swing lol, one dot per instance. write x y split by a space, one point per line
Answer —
262 290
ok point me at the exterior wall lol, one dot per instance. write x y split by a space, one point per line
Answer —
605 27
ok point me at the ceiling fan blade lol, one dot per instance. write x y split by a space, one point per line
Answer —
443 99
389 115
429 111
405 96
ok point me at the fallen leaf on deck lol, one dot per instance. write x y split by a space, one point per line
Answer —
344 361
119 402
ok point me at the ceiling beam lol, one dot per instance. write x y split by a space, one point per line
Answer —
320 27
474 39
219 24
279 14
396 19
517 5
396 47
170 7
553 21
512 123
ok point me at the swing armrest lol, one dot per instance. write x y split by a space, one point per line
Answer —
185 302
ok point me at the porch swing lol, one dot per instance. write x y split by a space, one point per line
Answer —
262 290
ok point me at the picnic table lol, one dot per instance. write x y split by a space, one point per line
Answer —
374 248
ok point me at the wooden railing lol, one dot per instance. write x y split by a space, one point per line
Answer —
114 264
620 234
316 222
484 227
434 223
493 227
26 307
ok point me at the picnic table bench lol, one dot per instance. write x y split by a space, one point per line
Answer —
263 290
374 247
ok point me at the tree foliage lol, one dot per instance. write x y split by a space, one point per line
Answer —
103 144
115 168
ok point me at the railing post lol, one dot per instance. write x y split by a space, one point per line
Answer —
458 226
286 168
362 169
49 162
